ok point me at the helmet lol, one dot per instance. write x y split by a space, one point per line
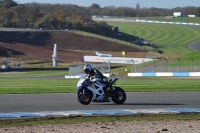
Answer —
87 68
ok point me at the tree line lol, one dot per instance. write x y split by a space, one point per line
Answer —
69 16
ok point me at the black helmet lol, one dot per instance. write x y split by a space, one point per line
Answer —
87 68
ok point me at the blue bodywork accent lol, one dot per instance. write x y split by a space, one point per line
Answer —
84 91
84 84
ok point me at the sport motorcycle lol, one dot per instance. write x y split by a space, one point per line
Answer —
90 91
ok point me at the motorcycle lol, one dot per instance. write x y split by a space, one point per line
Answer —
89 91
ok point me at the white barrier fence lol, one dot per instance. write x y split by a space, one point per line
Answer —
168 74
161 22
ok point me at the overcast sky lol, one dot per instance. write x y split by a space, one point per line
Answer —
118 3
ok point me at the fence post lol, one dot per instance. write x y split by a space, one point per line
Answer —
167 63
144 66
178 64
155 65
192 64
133 68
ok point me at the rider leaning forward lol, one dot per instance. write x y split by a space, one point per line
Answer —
95 75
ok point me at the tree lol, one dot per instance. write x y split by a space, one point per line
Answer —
7 3
95 6
138 10
197 11
33 13
137 7
77 25
47 21
79 18
95 9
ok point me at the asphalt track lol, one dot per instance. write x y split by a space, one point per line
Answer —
68 102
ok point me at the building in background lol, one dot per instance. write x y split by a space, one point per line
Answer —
177 14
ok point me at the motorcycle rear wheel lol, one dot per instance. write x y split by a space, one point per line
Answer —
119 95
84 99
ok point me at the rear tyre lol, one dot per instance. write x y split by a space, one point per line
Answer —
84 99
119 95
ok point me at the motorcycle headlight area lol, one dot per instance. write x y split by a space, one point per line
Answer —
85 83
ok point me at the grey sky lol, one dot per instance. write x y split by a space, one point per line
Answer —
127 3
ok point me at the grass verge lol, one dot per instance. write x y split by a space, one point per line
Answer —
25 85
172 39
111 118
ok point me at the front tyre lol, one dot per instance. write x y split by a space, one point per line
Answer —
119 95
84 99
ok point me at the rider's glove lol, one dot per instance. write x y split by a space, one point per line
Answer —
92 80
92 77
87 77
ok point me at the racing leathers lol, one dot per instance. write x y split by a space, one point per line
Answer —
96 76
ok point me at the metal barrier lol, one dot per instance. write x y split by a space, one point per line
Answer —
105 67
78 69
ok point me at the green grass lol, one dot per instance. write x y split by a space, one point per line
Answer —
189 60
177 19
100 119
36 73
144 48
36 85
174 40
25 85
151 84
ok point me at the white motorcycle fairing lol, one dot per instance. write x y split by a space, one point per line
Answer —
95 87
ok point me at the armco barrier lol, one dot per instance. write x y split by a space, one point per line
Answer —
152 74
72 77
170 74
78 76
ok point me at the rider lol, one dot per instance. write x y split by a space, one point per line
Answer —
96 75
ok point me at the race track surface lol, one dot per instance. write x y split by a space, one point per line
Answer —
68 102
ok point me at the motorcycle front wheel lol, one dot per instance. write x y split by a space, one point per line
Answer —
84 99
119 96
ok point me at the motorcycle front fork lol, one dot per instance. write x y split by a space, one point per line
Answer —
84 91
